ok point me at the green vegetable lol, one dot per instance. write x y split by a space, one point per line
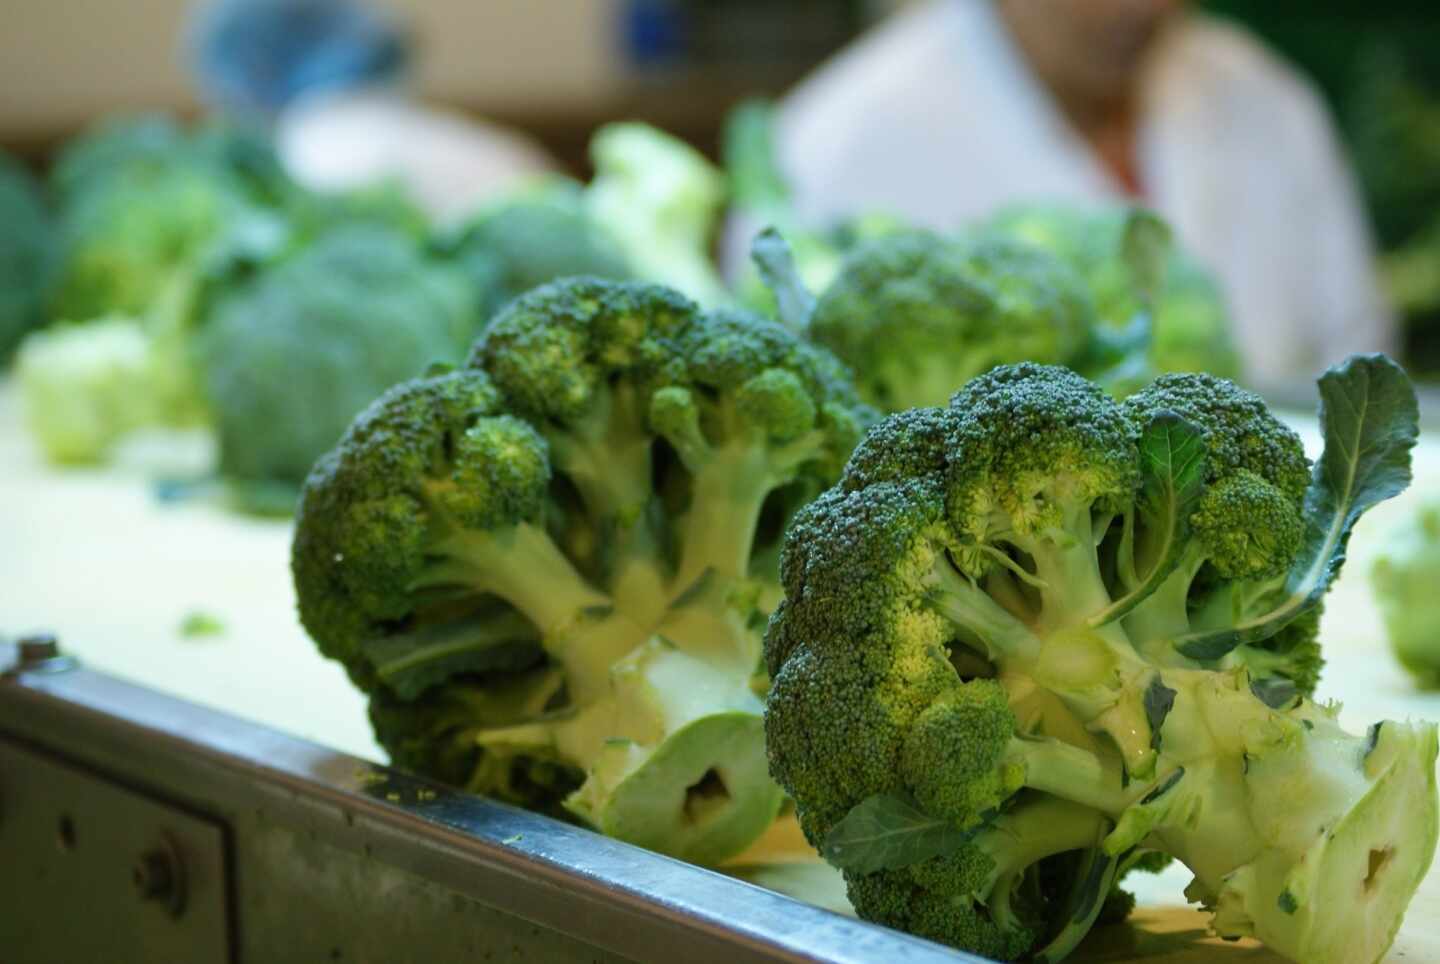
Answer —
83 387
1038 638
198 623
1191 329
26 252
1405 578
534 238
292 357
660 199
550 569
916 315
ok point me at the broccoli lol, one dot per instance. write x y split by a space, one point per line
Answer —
760 193
292 357
660 200
916 315
83 387
26 248
1404 577
531 239
1190 322
1028 642
551 569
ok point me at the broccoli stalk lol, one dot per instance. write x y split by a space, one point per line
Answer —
1403 577
547 568
1040 612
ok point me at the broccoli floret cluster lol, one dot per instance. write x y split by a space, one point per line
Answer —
1189 319
291 358
1038 637
551 568
917 314
532 239
1404 577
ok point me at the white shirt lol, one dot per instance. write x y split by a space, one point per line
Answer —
935 116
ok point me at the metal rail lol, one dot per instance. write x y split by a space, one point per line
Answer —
135 826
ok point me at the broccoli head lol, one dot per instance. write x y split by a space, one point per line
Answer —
916 314
551 568
660 199
1190 321
26 248
1037 638
533 239
1404 580
290 358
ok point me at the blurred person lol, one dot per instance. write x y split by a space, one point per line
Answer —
330 76
954 108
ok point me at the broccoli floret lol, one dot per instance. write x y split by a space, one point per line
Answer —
1404 577
551 569
84 387
1037 638
661 200
533 239
290 359
1190 322
916 314
26 253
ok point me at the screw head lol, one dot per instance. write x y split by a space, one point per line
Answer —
153 876
37 648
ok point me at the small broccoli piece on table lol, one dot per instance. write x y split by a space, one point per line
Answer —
1405 577
292 357
917 315
1037 638
551 569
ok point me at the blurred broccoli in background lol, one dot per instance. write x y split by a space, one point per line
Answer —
292 356
760 196
534 237
85 386
917 315
1405 577
1190 325
26 248
661 200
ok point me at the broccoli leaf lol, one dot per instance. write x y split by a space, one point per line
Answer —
1172 456
887 832
1092 884
1369 419
410 663
794 302
1145 250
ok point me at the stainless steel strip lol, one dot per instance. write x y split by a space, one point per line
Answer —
299 811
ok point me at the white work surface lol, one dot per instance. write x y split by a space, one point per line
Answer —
95 557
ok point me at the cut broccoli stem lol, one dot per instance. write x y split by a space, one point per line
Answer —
1165 613
1071 773
730 485
971 609
606 455
1067 565
1021 838
521 565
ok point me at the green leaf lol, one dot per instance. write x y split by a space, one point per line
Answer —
771 254
1172 465
887 832
412 662
1369 419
